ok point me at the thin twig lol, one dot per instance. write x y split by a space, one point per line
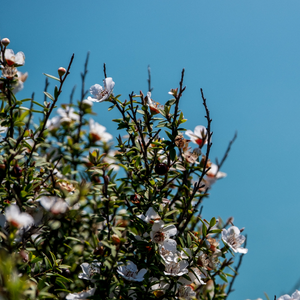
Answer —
46 88
104 70
236 271
219 165
62 80
150 89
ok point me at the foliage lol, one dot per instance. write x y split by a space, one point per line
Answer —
75 226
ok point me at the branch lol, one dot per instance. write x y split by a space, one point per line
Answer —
236 271
226 153
150 89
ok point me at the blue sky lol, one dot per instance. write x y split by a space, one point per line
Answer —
244 54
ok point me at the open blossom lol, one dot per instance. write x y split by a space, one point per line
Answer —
161 234
81 295
54 204
160 288
234 239
130 272
294 296
213 174
154 106
13 59
19 85
89 270
98 132
151 214
68 113
101 94
199 136
176 268
16 218
186 292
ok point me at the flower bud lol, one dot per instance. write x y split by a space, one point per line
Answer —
5 42
87 104
61 71
116 240
161 169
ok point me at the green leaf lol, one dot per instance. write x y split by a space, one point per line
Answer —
49 96
204 230
53 77
172 154
223 277
189 240
212 222
38 104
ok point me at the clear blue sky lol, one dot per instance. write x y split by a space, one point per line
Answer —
244 54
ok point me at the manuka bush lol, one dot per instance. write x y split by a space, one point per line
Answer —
84 219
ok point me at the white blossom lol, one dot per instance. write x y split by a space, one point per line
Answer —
18 219
13 59
186 292
98 132
88 270
294 296
130 272
234 239
161 234
54 204
176 268
101 94
199 136
151 214
81 295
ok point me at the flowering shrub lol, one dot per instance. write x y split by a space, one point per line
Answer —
82 219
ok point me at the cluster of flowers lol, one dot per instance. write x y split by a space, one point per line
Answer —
65 210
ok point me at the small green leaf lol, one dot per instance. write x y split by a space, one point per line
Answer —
53 77
49 96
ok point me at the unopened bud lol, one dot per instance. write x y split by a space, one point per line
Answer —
61 71
161 169
5 42
116 240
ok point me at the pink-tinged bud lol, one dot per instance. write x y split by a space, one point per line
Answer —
5 42
61 71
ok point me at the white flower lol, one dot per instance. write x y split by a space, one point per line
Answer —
130 272
54 123
154 106
186 292
101 94
213 174
109 159
54 204
87 103
16 218
89 270
19 85
68 112
98 132
13 59
151 214
176 268
295 296
161 234
81 295
3 130
168 256
159 288
234 239
199 136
